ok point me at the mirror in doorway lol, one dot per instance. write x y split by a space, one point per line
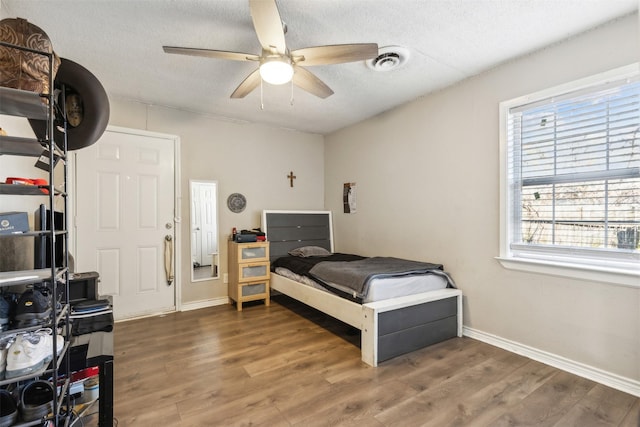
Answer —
204 230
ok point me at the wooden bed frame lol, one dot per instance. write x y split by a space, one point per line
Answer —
389 327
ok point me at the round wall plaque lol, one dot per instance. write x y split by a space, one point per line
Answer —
236 202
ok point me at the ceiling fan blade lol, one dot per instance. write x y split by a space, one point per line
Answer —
208 53
250 83
306 80
268 25
335 54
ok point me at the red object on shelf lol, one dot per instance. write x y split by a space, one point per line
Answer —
23 181
85 373
39 182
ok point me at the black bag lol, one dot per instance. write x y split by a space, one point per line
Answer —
88 325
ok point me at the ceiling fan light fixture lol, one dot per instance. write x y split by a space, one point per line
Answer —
276 71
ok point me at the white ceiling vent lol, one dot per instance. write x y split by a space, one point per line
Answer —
389 58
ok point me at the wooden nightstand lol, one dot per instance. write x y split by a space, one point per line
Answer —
249 272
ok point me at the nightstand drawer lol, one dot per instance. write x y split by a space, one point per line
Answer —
250 252
253 271
255 288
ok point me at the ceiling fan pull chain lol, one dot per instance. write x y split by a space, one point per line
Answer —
292 93
261 97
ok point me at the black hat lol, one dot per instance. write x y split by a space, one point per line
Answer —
86 107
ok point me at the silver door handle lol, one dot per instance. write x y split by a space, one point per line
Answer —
168 258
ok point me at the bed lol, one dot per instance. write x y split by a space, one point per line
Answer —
390 324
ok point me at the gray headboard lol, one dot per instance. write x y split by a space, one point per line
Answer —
287 230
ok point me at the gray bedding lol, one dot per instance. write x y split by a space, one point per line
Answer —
357 275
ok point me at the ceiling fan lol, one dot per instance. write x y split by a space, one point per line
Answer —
277 64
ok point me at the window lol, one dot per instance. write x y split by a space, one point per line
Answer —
571 179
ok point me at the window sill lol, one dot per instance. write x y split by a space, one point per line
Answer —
610 275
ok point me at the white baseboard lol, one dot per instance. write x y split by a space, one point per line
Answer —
609 379
143 316
184 307
204 303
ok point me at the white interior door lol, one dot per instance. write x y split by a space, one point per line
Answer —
204 243
196 229
125 208
207 197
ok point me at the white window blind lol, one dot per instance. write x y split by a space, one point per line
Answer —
574 175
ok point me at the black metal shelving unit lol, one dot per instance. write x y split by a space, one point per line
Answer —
38 106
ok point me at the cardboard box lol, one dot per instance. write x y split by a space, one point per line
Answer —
14 222
16 253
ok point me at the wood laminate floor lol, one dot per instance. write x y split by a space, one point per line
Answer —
288 365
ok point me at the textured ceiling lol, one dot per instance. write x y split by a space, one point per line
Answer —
120 41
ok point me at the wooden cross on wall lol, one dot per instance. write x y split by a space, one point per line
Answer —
291 177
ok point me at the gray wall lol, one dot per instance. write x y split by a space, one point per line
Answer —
427 178
244 158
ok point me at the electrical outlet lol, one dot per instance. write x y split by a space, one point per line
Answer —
225 278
